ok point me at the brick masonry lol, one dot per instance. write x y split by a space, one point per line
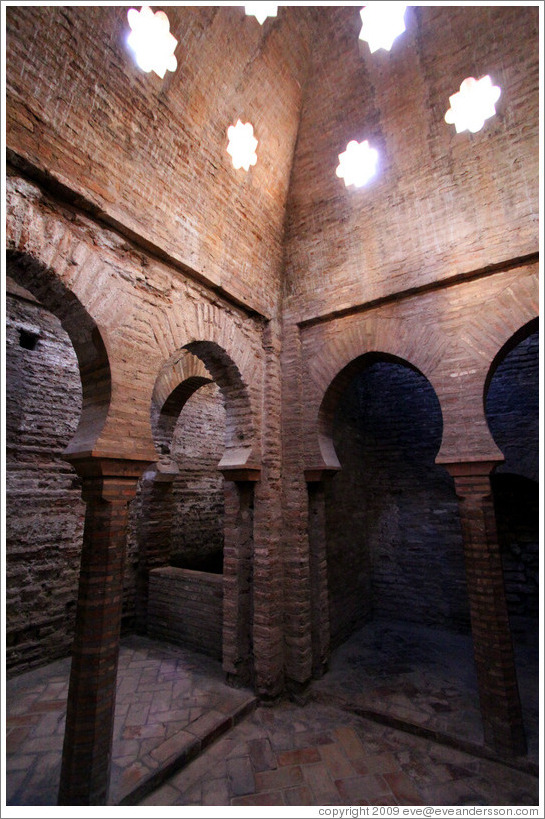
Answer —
281 280
186 607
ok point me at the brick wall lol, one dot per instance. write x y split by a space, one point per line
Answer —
416 221
394 539
75 91
185 607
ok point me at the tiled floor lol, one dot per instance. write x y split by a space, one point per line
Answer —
426 678
320 755
172 704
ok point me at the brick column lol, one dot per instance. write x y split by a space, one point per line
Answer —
492 642
154 531
238 659
319 594
108 486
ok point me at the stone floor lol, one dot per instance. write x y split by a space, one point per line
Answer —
182 737
320 755
426 678
170 703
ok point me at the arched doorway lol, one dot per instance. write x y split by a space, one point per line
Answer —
195 529
512 411
398 606
176 535
393 530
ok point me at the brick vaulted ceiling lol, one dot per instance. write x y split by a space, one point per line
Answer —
148 154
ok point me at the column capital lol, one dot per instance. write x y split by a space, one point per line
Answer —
108 478
322 473
470 469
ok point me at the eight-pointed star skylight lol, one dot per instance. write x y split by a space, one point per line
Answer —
242 145
151 40
381 23
474 103
358 164
261 11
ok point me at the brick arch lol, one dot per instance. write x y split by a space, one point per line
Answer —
175 384
87 341
520 335
333 394
529 431
197 363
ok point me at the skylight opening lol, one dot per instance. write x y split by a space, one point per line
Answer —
358 164
242 145
261 11
473 104
151 41
381 24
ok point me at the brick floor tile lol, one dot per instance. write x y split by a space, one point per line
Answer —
209 725
137 714
309 739
318 779
261 755
275 798
301 795
51 743
48 705
191 796
403 789
19 762
381 763
13 783
133 776
174 746
15 740
337 764
215 792
280 778
362 787
300 756
350 741
165 795
241 776
143 731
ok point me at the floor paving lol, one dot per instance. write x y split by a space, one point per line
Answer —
321 755
170 703
183 737
425 678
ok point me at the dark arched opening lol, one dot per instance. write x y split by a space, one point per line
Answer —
512 412
398 606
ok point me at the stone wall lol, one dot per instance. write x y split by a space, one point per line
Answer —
44 509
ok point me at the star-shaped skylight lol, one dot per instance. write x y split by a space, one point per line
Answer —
151 40
474 103
381 23
242 145
357 164
261 11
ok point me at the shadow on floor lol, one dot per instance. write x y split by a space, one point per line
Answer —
419 677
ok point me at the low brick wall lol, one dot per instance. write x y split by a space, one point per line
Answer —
186 607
